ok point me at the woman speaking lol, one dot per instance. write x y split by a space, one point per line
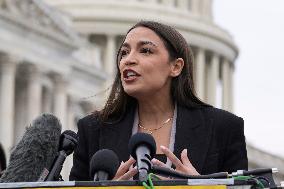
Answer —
153 92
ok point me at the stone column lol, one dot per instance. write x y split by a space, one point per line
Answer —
20 118
71 126
60 99
183 4
28 98
168 2
212 79
231 88
71 113
200 73
46 100
195 7
226 85
7 103
109 62
206 9
110 55
34 92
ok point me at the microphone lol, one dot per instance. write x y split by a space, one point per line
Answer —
68 142
103 165
35 151
142 148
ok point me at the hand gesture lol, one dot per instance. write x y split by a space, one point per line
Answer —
183 166
126 170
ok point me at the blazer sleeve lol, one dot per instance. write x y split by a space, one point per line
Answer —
235 157
80 169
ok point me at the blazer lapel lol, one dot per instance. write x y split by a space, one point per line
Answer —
115 136
193 133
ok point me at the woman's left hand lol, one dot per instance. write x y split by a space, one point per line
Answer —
182 166
126 170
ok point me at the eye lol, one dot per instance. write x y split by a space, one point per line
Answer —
146 50
123 53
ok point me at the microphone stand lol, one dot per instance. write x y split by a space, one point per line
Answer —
54 174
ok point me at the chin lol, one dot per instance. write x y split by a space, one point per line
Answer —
133 92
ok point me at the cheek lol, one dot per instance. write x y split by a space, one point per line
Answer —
160 70
120 68
157 76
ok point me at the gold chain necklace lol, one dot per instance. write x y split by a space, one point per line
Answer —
150 131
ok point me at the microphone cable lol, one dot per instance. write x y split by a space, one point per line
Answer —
174 174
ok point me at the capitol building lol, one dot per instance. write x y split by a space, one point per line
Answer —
58 56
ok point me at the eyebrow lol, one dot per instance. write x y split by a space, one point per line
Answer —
140 43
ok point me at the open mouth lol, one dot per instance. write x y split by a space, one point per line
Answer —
130 75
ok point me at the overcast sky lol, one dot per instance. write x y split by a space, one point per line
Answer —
257 27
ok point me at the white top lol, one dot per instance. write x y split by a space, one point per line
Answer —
173 131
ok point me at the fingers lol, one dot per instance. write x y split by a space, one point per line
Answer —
124 170
128 175
186 162
130 162
178 164
158 163
124 166
184 158
119 171
184 165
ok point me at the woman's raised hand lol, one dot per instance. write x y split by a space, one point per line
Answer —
126 170
182 166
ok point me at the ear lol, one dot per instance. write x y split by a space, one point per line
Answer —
177 66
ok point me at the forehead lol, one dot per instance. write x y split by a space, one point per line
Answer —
143 34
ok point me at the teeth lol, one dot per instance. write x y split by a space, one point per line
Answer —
130 74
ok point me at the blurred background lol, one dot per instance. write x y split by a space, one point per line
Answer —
257 28
58 56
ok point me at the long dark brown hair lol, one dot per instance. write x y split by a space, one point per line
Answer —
2 159
182 86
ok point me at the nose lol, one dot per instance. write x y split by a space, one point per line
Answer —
130 59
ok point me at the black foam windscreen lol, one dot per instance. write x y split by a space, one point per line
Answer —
68 141
142 139
70 133
104 160
35 151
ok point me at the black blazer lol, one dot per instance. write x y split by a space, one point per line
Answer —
214 139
